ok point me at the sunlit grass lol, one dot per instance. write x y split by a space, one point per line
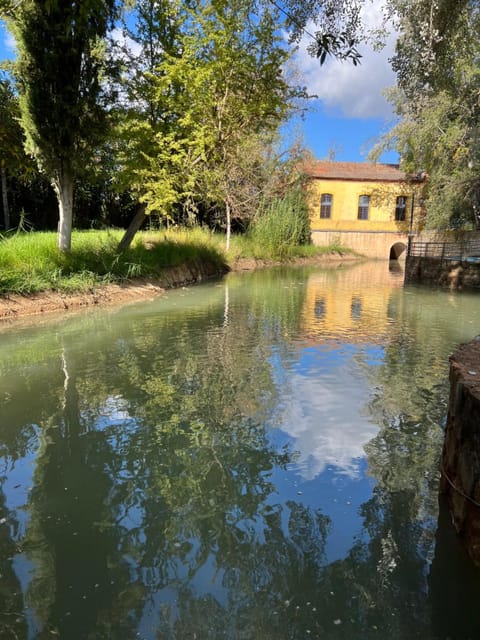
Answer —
30 262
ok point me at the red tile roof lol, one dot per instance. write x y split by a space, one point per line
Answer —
329 170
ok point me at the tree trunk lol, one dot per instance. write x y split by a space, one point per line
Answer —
64 191
133 227
229 224
6 211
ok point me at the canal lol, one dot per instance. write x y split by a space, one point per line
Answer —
255 458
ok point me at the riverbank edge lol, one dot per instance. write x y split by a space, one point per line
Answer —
460 478
14 306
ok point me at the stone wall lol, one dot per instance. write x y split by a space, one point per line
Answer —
455 274
371 244
461 452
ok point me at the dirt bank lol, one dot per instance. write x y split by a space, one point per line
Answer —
19 306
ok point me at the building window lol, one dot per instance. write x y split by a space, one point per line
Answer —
363 207
326 205
401 208
356 308
320 308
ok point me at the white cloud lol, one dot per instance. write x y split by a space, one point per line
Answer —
326 429
355 91
126 43
9 42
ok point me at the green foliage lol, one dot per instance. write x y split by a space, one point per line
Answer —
438 108
211 101
433 34
59 68
195 102
59 82
282 224
338 26
12 154
30 262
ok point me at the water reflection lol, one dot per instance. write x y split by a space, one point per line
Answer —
233 460
327 430
349 303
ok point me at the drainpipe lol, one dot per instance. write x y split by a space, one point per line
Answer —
410 230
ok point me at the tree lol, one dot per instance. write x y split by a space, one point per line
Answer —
206 94
12 155
221 95
139 114
338 25
58 73
432 34
437 104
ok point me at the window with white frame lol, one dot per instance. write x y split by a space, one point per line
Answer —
363 207
326 202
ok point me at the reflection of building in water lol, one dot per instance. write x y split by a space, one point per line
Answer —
353 300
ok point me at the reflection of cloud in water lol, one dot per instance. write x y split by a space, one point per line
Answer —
324 417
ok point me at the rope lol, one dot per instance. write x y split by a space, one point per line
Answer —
459 491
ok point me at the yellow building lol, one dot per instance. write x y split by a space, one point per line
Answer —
371 208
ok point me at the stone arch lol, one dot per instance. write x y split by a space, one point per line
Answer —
396 250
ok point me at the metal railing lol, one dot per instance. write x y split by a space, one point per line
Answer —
445 250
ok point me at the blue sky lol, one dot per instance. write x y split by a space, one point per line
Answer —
350 111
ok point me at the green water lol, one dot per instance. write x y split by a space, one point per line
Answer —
255 458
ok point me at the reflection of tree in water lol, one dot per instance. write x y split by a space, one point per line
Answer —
19 433
175 496
387 572
202 463
75 559
12 622
154 508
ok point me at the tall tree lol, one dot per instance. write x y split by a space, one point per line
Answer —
139 113
12 156
219 94
207 92
58 72
436 99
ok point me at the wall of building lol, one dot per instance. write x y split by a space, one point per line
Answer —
344 213
372 244
392 245
454 274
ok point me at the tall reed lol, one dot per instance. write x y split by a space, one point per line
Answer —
282 224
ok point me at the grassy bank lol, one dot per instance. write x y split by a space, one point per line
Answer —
30 262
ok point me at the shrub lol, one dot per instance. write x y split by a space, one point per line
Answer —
282 224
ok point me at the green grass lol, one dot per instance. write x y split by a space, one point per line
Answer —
30 262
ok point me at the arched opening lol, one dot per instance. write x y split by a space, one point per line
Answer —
396 250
